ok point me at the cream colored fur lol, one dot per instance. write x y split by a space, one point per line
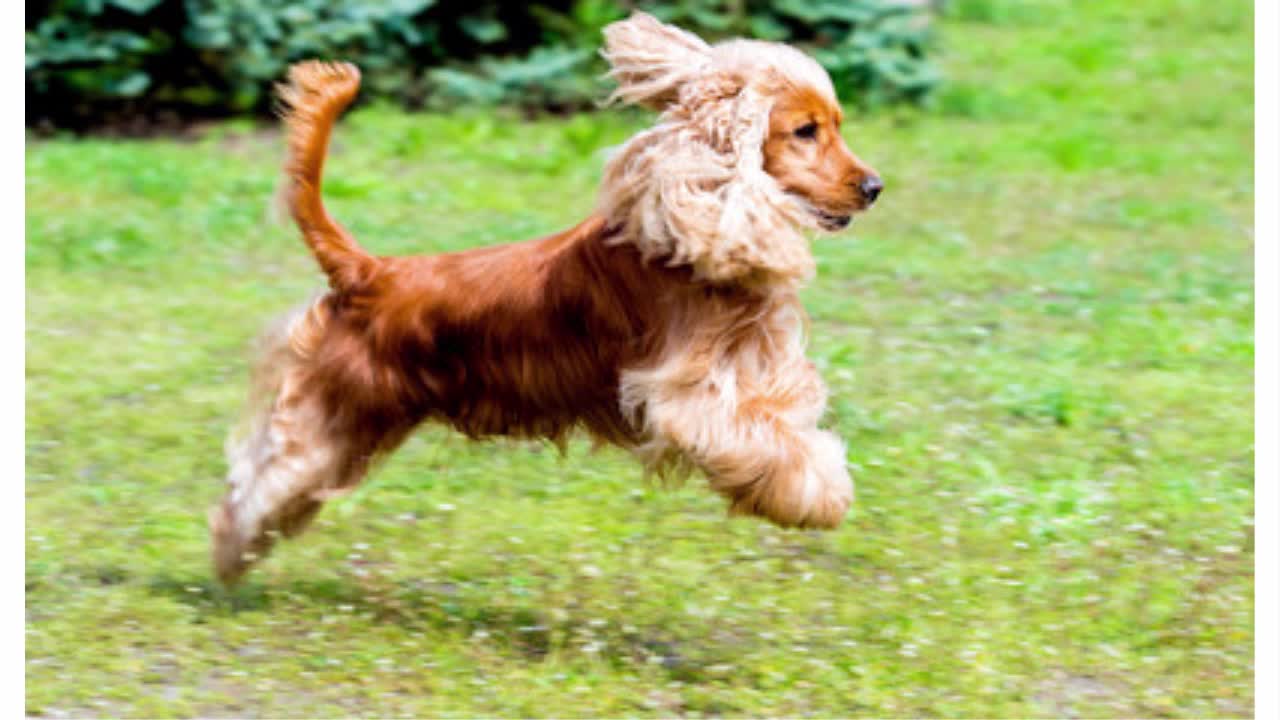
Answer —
737 399
693 189
732 396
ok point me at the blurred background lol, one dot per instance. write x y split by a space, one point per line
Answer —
1039 346
128 64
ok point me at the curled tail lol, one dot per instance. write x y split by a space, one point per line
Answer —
315 94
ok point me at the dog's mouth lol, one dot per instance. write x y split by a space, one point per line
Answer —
827 220
832 222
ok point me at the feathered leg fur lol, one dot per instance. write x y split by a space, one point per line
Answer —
738 400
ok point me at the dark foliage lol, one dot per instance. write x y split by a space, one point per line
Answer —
120 62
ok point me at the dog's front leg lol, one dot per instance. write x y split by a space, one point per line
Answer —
758 443
793 478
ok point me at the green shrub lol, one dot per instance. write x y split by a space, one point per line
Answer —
83 53
95 62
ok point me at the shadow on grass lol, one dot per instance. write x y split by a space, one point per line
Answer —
441 608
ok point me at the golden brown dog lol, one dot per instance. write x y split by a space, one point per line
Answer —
666 323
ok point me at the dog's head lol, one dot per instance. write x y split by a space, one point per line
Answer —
747 153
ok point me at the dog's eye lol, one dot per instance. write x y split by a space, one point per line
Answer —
808 132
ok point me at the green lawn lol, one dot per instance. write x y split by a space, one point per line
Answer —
1040 351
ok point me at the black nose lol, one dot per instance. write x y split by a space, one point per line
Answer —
871 187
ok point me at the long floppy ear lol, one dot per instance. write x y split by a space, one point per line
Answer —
743 223
693 191
651 61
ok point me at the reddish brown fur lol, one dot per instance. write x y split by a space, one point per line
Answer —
523 340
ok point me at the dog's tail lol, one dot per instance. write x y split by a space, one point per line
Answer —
315 94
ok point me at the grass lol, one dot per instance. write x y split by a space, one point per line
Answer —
1039 347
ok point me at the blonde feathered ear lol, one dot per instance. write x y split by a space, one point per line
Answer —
651 61
693 191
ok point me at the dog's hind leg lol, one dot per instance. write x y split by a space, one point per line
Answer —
280 474
293 455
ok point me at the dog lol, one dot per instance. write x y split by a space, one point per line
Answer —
666 323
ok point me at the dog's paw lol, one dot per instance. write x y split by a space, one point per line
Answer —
828 489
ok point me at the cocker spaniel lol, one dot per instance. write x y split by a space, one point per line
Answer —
666 323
